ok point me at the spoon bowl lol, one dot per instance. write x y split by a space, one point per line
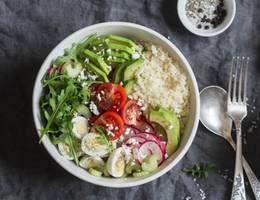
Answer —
213 102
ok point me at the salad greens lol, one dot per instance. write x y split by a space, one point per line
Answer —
66 85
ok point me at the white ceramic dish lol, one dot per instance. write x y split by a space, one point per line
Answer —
137 32
230 6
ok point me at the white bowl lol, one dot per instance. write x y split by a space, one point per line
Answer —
141 33
229 5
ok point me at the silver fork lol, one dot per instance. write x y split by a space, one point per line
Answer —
237 111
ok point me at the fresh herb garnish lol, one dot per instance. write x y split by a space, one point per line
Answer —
199 170
103 137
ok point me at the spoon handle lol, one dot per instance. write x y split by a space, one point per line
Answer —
254 182
238 191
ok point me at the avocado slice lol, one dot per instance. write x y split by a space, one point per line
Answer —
129 86
123 40
120 47
171 124
118 73
130 69
97 60
102 75
118 54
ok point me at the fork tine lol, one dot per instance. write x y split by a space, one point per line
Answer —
242 66
234 98
245 79
230 79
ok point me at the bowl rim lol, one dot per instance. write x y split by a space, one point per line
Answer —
193 30
49 146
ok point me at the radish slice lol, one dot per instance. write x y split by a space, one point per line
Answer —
135 141
148 148
154 137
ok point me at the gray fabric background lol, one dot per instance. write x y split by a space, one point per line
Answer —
29 29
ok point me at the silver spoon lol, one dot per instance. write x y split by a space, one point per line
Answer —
213 116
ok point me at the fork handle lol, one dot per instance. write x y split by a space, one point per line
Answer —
254 182
238 191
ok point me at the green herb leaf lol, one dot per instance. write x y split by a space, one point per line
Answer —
103 137
199 170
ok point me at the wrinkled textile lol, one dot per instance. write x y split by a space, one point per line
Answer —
29 29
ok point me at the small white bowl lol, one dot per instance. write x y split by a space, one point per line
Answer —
141 33
229 5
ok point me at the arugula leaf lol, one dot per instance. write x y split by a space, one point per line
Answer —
71 142
199 170
61 100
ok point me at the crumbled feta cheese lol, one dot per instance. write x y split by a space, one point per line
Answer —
108 50
94 48
170 127
93 108
75 114
84 84
93 77
148 130
139 103
82 76
109 58
98 97
127 131
121 138
132 141
114 144
109 68
110 133
121 83
127 153
135 55
86 60
110 127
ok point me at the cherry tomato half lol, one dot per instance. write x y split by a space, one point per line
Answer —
131 113
113 123
111 97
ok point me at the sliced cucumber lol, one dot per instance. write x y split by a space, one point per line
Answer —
73 70
105 171
132 166
84 110
141 173
95 172
150 163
